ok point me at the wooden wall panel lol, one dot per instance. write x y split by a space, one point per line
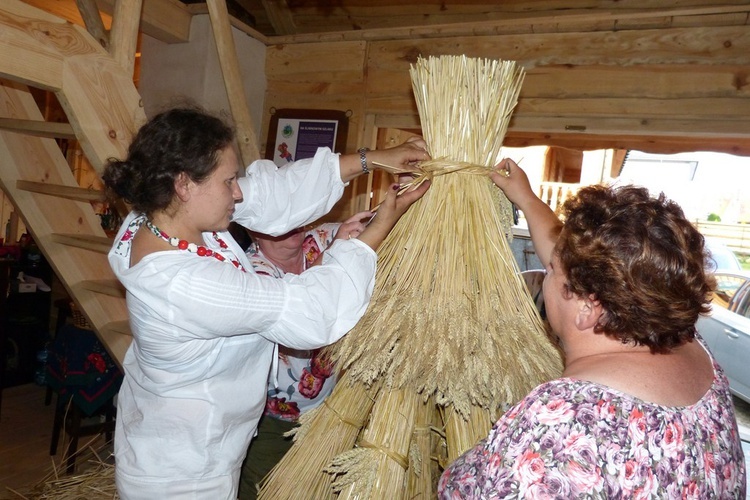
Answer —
687 85
318 76
709 46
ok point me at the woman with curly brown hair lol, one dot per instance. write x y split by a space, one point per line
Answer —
642 409
206 326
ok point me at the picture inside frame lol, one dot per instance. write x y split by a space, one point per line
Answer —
295 134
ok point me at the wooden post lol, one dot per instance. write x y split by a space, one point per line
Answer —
124 36
93 21
222 29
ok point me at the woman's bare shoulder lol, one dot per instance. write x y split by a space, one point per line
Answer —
679 378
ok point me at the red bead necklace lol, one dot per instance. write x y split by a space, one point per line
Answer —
200 250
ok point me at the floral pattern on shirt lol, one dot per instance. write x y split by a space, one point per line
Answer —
576 439
305 377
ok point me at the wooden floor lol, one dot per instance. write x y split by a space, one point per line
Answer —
25 434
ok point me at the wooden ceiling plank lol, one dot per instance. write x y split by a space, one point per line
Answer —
222 31
124 39
92 19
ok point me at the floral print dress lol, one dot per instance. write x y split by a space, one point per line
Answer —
305 378
571 438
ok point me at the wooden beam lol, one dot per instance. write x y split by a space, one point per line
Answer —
22 57
222 30
165 20
630 125
68 10
104 121
68 192
38 128
198 9
537 22
124 39
280 16
92 19
646 143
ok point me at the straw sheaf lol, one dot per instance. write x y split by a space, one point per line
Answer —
450 322
450 316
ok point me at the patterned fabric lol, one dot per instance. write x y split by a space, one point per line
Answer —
577 439
304 377
80 368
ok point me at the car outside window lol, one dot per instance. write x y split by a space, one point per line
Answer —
726 286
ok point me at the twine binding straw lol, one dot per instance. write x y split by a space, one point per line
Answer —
377 469
423 462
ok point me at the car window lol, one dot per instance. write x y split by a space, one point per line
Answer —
722 257
726 287
742 301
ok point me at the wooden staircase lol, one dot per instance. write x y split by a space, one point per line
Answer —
103 109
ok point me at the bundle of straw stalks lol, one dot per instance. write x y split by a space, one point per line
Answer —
451 320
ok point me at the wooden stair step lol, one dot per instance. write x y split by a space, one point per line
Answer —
38 128
100 244
120 327
61 191
111 287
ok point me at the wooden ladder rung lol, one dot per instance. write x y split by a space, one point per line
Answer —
100 244
70 192
111 287
121 327
38 128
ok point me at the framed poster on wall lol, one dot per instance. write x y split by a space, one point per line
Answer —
294 134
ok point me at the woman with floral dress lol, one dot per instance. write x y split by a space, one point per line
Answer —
642 409
304 378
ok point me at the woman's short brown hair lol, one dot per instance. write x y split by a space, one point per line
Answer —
641 259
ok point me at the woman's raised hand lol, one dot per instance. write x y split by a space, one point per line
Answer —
353 226
514 182
390 211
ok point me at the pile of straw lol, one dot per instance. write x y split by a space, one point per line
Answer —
95 481
450 321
